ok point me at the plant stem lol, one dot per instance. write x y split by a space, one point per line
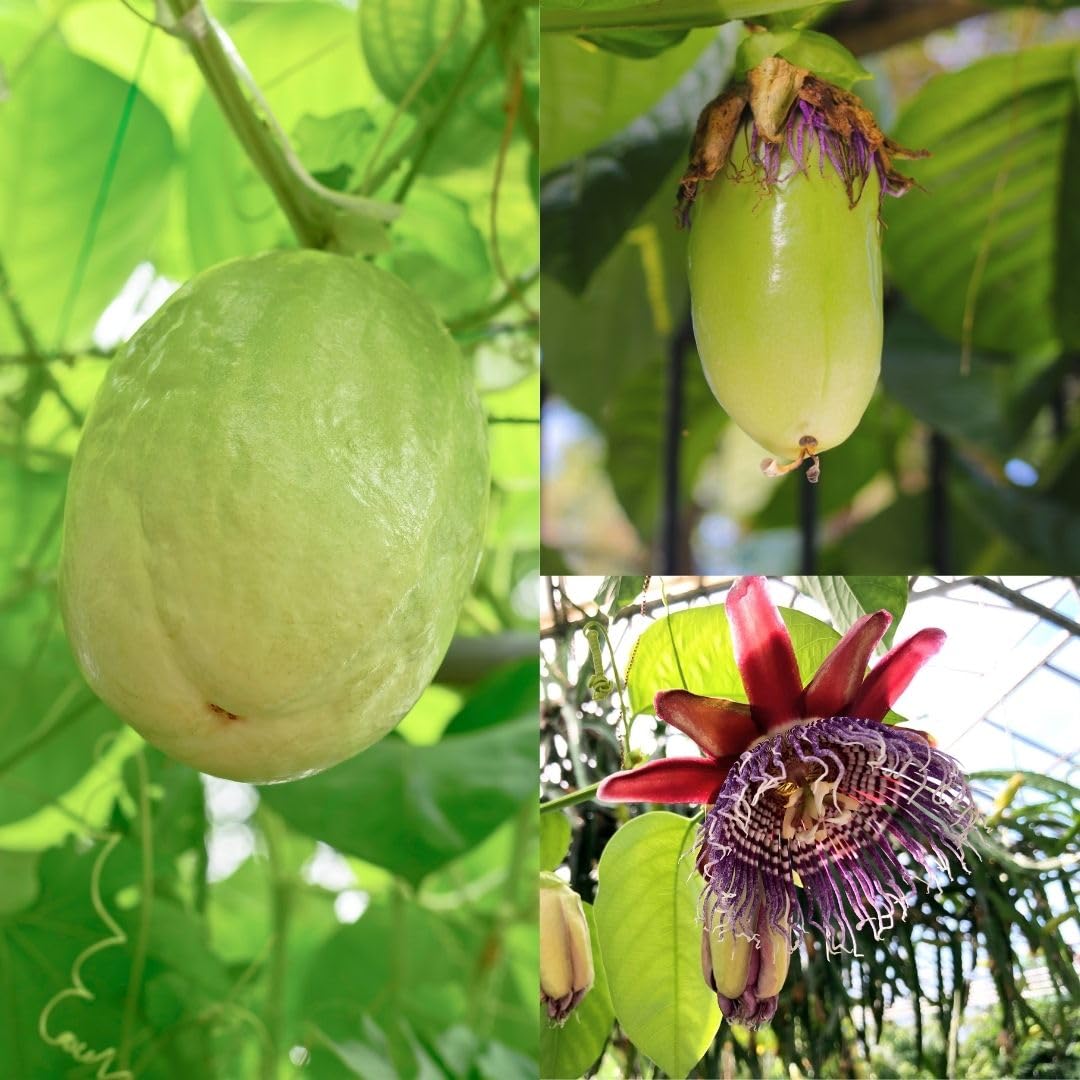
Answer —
437 122
146 901
676 14
298 203
280 906
572 799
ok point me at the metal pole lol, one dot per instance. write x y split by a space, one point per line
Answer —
673 433
941 557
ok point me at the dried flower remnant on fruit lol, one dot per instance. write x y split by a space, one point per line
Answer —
789 108
566 965
808 784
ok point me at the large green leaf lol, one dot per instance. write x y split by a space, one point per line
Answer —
590 94
819 53
646 918
692 650
992 405
554 839
637 430
587 16
56 133
569 1049
230 209
594 344
587 205
997 228
51 725
440 252
421 806
401 964
40 943
1045 528
416 51
848 599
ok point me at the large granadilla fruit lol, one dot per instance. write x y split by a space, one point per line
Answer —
783 191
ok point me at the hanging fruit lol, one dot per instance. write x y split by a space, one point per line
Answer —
783 190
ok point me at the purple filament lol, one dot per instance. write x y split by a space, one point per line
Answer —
805 126
884 802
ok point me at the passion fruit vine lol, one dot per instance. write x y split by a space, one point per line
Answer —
784 186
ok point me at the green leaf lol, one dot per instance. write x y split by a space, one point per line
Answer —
618 592
587 205
554 839
646 918
400 964
108 34
239 915
692 650
56 134
586 16
416 50
992 405
630 305
571 1049
848 599
230 209
51 725
616 90
41 942
304 57
999 201
1043 527
818 53
637 430
422 806
440 252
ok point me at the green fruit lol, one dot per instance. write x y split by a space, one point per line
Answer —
274 515
785 284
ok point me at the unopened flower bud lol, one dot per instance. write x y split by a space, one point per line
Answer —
745 975
566 966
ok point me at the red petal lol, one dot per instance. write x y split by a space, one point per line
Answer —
838 680
891 677
720 727
763 653
670 780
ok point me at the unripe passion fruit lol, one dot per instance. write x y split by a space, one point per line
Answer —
274 515
785 260
785 286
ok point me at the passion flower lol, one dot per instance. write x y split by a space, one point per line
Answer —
783 188
806 787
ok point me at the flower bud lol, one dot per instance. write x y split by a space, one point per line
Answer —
745 975
566 966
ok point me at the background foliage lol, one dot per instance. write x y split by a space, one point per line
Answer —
1006 923
376 920
964 458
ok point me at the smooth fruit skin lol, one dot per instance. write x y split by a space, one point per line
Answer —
786 299
274 515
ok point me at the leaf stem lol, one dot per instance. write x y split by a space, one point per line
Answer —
267 157
572 799
662 14
310 208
